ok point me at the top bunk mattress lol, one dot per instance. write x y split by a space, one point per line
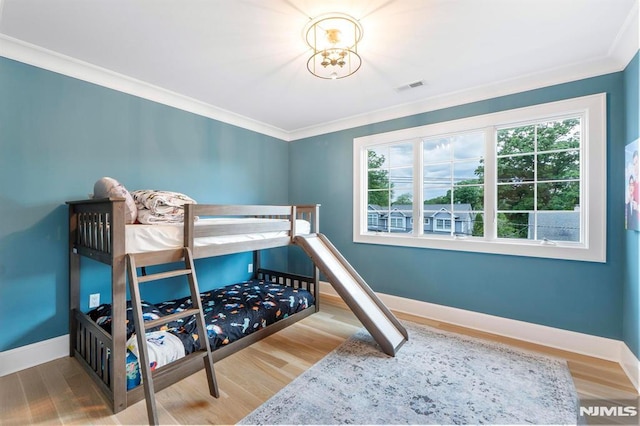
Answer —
143 238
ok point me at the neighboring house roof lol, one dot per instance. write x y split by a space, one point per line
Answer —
430 210
559 226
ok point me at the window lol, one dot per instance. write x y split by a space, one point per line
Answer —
397 222
516 182
443 224
538 181
372 219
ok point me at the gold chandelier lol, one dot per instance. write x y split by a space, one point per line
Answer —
334 39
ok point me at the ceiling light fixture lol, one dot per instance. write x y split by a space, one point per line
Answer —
334 39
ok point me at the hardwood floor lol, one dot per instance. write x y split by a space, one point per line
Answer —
60 392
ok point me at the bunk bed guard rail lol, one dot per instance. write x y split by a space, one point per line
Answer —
97 231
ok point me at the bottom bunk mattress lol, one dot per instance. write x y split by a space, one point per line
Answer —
230 313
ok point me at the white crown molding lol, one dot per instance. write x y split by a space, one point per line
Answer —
619 55
621 52
27 53
627 41
579 343
521 84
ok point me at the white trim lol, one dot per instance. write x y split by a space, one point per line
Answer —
622 51
31 54
631 366
593 247
31 355
579 343
627 41
27 356
494 90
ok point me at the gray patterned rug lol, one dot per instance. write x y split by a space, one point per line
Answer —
436 378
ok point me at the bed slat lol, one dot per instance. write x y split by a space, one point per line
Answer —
240 228
239 210
163 275
220 249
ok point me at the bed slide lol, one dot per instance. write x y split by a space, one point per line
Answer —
365 304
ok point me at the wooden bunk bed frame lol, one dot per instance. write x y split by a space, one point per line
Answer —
97 231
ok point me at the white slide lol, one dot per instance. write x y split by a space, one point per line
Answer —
365 304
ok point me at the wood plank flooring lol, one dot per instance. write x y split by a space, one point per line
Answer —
60 392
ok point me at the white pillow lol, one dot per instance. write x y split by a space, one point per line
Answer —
109 187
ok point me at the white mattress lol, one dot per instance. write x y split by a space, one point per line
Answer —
143 238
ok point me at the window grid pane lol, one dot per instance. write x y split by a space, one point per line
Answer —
538 181
544 197
452 186
390 188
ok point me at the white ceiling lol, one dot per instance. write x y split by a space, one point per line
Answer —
248 57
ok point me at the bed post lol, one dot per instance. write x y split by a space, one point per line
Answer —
74 279
310 212
315 227
256 263
293 218
316 219
189 219
119 306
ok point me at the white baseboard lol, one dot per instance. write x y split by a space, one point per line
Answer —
580 343
599 347
631 366
31 355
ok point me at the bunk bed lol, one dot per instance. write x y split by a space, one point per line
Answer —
98 230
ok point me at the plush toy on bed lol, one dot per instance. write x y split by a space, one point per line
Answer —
109 187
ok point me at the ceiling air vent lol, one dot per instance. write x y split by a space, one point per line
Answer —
413 85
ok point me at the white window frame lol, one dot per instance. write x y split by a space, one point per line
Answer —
593 196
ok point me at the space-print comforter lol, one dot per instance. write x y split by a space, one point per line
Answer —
230 312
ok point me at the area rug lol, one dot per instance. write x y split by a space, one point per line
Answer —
436 378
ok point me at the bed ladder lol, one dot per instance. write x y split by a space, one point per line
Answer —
139 260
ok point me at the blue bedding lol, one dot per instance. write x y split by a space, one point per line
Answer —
230 312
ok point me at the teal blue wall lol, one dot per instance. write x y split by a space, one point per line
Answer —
579 296
58 135
631 290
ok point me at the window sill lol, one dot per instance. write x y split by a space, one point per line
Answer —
550 250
